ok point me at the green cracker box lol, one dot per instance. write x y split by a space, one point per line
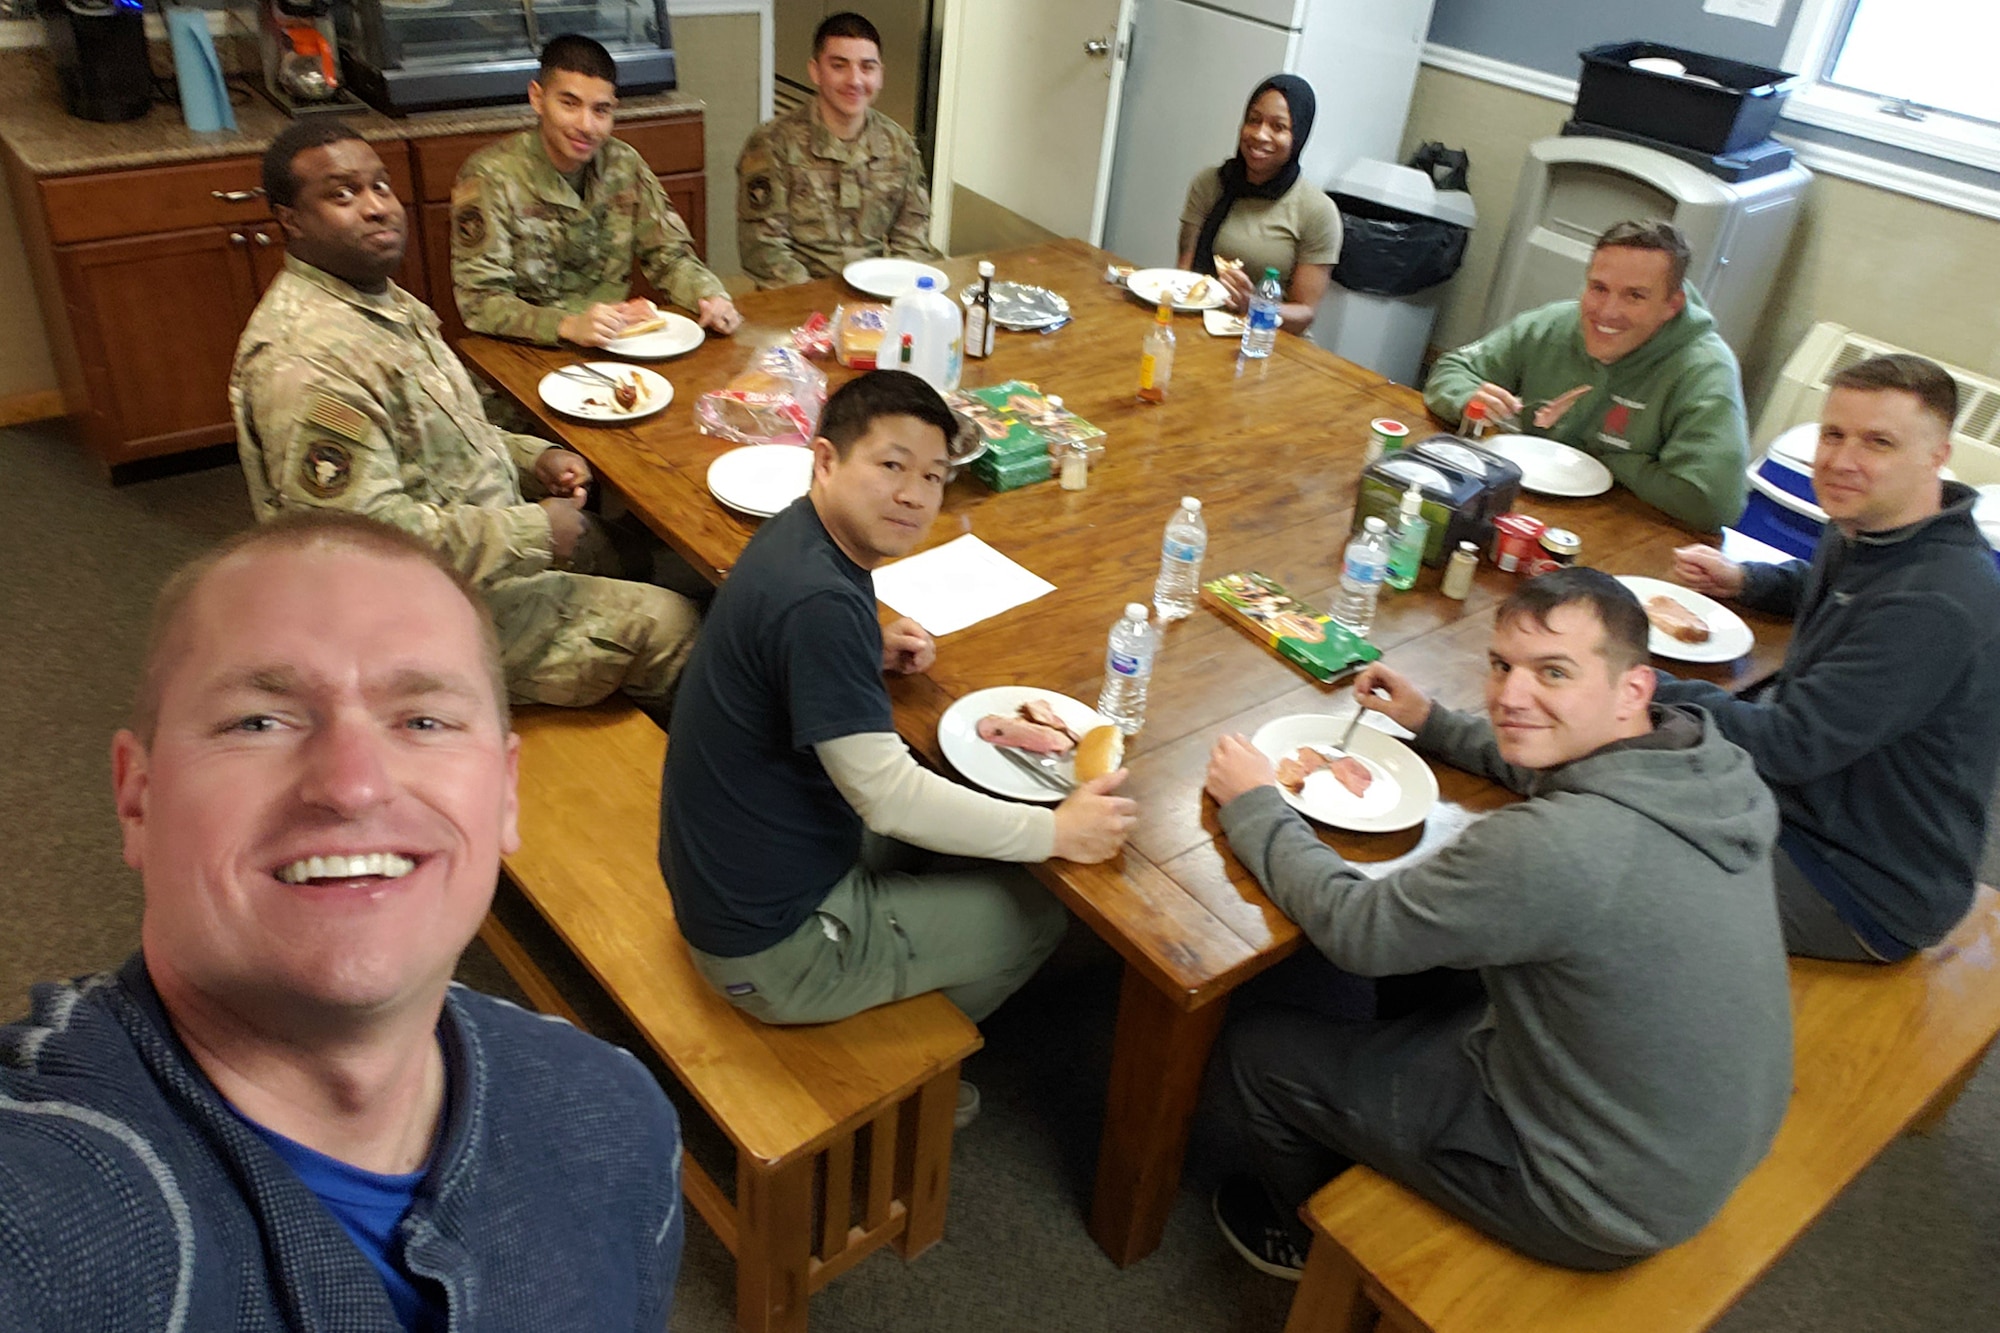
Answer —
1303 635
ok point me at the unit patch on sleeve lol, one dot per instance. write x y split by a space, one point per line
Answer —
468 227
758 192
326 469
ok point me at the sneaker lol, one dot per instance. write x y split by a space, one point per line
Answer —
1254 1230
967 1109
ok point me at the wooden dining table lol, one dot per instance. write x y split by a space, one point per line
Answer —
1274 449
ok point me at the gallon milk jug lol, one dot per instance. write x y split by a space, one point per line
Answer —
935 330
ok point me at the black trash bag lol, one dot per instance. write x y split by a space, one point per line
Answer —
1386 251
1447 167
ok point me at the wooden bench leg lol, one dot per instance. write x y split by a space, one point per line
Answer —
1932 1118
774 1236
1330 1298
923 1162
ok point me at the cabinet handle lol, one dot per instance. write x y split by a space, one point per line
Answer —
262 238
238 238
237 196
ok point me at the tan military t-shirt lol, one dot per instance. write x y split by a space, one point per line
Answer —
1302 226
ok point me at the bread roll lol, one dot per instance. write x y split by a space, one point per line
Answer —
1101 751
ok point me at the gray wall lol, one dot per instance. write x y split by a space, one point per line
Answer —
1547 34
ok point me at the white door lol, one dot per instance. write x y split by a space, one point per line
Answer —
1028 104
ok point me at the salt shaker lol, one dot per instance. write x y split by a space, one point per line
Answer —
1458 573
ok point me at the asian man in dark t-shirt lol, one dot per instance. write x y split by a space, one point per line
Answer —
816 869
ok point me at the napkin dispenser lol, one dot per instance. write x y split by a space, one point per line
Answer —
1464 489
1500 477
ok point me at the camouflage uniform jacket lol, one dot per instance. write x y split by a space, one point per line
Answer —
809 204
349 400
526 251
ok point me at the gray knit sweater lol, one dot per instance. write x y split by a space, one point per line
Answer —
1622 919
132 1200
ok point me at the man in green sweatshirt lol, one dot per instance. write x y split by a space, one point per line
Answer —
1613 1053
1634 374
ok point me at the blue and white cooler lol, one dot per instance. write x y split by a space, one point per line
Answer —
1782 512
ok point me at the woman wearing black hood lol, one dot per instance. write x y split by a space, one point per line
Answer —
1257 209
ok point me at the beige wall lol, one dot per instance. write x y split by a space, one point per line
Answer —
719 57
1910 272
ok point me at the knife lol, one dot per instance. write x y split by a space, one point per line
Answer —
1047 777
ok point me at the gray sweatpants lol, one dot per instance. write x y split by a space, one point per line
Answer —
1317 1095
1812 928
902 922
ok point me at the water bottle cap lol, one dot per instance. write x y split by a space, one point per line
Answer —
1189 503
1374 524
985 268
1271 273
925 283
1136 611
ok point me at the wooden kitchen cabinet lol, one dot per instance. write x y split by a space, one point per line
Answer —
147 278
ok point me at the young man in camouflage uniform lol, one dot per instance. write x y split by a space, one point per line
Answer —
545 224
834 181
345 397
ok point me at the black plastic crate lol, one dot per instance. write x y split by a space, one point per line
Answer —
1740 113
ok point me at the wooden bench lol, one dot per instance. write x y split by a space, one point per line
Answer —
842 1131
1877 1051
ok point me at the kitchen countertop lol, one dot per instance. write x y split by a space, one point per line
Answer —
51 142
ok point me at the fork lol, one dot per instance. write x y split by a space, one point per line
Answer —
1042 769
581 370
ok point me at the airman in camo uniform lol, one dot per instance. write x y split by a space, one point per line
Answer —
346 397
546 224
834 180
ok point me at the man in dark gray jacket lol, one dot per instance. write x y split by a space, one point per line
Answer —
1881 734
1624 1057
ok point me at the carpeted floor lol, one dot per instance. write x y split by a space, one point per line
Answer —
1914 1245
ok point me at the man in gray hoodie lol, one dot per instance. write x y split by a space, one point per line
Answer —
1624 1057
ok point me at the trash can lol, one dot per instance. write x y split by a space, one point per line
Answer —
1401 239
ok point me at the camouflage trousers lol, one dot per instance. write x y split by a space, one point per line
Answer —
571 637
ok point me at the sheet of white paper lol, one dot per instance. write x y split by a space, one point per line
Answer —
955 585
1756 11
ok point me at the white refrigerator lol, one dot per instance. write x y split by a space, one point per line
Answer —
1191 68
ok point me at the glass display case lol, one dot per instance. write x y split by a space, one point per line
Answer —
418 55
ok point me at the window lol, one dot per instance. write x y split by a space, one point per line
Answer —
1918 74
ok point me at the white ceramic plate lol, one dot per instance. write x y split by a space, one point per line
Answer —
1550 468
1401 796
1728 637
582 397
681 335
761 479
887 279
981 762
1151 285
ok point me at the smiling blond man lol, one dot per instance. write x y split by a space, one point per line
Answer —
279 1114
1880 734
1613 1053
1633 373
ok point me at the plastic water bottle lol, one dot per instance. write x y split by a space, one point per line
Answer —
1407 542
1174 592
1260 325
1361 575
936 331
1128 670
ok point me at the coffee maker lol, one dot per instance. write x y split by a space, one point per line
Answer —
99 51
301 69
